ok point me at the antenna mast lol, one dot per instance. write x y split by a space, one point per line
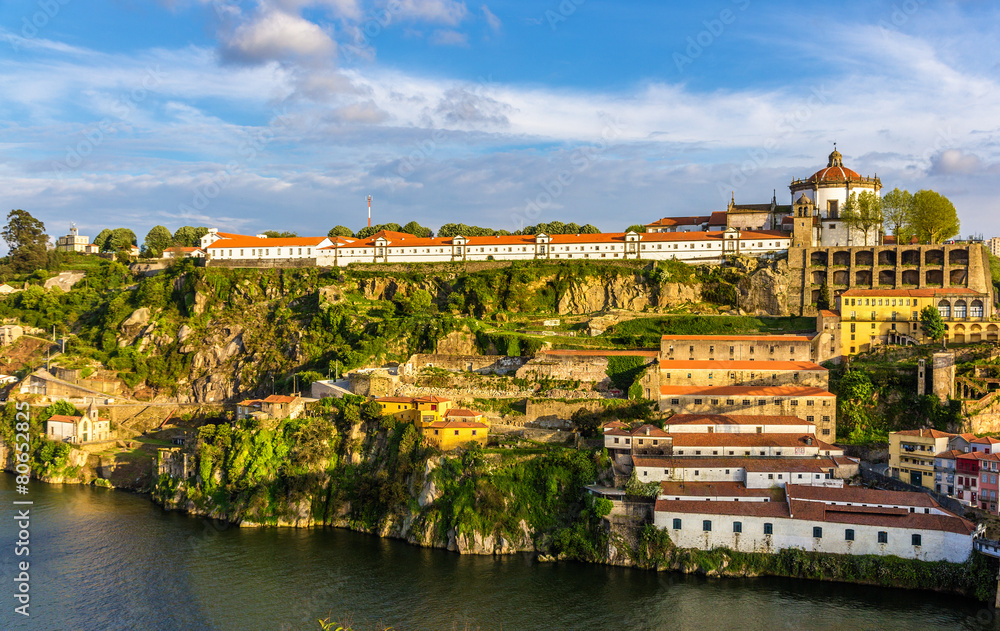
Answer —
369 211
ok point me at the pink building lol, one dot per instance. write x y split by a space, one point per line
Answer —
989 469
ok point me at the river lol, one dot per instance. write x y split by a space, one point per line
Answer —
108 560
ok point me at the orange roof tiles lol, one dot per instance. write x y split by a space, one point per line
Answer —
62 418
462 413
718 218
923 433
748 391
791 464
750 440
711 489
678 221
280 398
950 454
860 495
748 509
457 425
701 364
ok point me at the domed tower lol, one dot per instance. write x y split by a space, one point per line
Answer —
829 189
803 234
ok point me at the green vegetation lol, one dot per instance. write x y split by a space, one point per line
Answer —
646 332
931 323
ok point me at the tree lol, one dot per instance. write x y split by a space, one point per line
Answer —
454 229
366 232
274 234
416 230
189 236
931 323
340 231
420 302
158 239
934 217
636 228
824 296
101 239
897 210
863 212
117 240
26 238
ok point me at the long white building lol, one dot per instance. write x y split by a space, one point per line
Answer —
847 520
398 247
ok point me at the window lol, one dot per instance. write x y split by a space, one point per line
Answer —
737 526
768 528
849 534
818 532
770 476
677 524
915 540
707 525
883 536
675 401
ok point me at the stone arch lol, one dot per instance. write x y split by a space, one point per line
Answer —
815 296
863 278
864 257
976 333
958 335
976 309
887 277
934 257
841 277
911 277
960 309
887 257
958 276
818 278
842 258
818 258
935 277
911 257
944 308
993 332
958 256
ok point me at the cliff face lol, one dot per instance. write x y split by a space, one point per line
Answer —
631 293
764 291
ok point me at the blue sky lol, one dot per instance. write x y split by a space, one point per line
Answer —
286 114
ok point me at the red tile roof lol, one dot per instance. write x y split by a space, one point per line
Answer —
860 495
460 412
739 338
747 509
748 391
255 242
734 419
912 293
457 425
985 440
923 433
701 364
62 418
395 400
807 464
280 398
749 440
431 399
893 518
951 454
718 218
978 455
712 489
678 221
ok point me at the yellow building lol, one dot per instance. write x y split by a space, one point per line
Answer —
911 454
869 317
439 421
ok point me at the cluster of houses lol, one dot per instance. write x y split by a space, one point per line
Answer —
963 466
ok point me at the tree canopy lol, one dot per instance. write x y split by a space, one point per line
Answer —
931 323
340 231
275 234
189 236
453 229
934 218
26 238
158 239
638 227
897 211
863 212
416 230
558 227
115 240
366 232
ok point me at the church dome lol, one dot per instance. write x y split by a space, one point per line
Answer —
835 171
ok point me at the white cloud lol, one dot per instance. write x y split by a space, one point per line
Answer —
491 19
955 161
448 37
273 35
435 11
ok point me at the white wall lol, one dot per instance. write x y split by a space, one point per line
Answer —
793 533
733 473
690 428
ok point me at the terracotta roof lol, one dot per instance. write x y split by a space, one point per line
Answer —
678 221
749 440
431 399
923 433
718 218
461 412
912 293
734 419
280 398
985 440
835 174
712 489
649 430
457 425
798 465
749 391
700 364
893 518
614 424
255 242
950 454
395 400
748 509
598 353
978 455
827 313
62 418
739 338
860 495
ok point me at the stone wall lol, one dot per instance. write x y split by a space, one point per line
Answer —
261 263
884 266
558 410
480 364
373 383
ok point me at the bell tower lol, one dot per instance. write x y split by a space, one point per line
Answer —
802 229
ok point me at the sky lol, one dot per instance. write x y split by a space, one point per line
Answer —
287 114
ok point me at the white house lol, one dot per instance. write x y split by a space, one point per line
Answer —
244 248
737 424
754 472
846 520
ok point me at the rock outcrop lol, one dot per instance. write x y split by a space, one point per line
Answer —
765 290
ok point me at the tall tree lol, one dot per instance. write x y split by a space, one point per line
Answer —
101 240
366 232
158 239
26 238
275 234
340 231
116 240
863 212
934 217
897 210
189 236
416 230
639 228
931 323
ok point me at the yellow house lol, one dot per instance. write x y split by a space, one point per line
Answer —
869 317
439 421
911 454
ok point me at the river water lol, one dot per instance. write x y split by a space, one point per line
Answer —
104 560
